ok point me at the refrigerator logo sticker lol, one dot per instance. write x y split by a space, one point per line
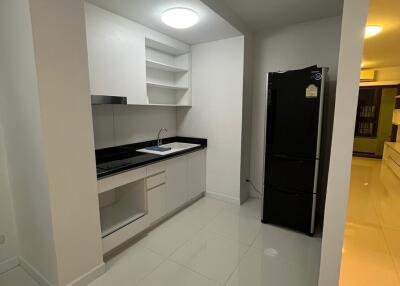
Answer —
316 76
312 91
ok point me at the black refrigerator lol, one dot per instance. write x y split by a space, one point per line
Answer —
294 139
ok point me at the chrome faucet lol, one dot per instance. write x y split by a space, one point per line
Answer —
159 141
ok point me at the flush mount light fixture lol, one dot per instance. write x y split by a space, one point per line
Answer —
371 31
180 18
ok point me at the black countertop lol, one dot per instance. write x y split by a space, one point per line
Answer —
118 159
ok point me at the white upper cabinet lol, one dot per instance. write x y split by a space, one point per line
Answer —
116 52
130 60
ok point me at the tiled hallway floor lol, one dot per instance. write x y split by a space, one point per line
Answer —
212 243
371 252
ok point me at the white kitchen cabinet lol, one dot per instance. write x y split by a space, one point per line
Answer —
131 60
116 53
156 199
176 178
196 174
130 202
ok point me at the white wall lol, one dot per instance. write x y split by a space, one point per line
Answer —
217 89
119 125
351 46
46 115
8 250
292 47
247 109
19 111
58 27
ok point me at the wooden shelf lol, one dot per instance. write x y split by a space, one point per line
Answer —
167 86
164 67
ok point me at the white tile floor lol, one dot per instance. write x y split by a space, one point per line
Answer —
371 251
214 243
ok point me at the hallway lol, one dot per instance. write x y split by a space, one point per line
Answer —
371 251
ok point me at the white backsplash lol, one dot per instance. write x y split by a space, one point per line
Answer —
124 124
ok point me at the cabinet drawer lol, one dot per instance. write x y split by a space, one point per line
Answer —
155 180
394 156
393 165
155 168
116 181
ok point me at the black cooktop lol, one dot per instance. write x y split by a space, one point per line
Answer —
113 160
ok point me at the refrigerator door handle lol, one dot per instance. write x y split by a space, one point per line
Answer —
271 111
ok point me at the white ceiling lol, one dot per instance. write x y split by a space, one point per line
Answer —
383 50
262 14
210 27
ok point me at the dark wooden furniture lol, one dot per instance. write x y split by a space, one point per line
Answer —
367 120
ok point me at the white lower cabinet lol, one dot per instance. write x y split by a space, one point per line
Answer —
126 210
196 174
176 177
156 198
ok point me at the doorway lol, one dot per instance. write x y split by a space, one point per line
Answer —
371 252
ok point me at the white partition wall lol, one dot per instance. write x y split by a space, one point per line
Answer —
26 166
48 133
351 47
8 237
217 90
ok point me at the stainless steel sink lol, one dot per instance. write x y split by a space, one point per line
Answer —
168 148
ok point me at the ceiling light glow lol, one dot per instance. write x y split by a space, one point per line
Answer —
180 18
371 31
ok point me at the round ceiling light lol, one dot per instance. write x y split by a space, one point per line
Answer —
180 18
371 31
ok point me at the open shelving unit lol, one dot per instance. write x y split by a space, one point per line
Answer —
164 67
166 86
168 75
122 206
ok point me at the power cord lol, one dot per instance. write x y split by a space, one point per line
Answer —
254 187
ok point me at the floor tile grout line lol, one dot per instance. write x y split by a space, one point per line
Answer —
380 224
392 259
195 271
220 236
151 272
237 266
166 258
392 256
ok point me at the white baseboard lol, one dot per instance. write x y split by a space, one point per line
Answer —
36 275
8 264
223 197
81 281
88 277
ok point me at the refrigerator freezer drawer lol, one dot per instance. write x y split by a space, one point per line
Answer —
288 209
290 173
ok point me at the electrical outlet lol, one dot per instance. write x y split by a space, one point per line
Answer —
2 239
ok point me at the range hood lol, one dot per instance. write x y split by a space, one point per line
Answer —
106 99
